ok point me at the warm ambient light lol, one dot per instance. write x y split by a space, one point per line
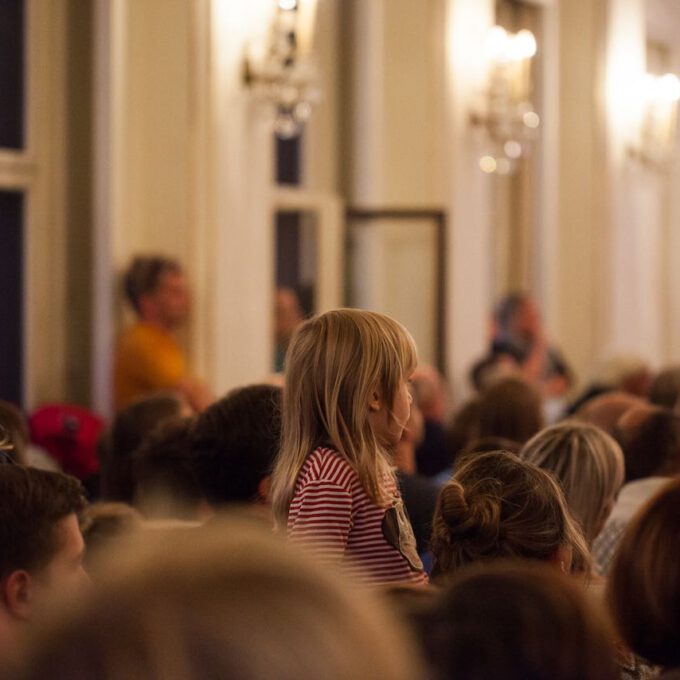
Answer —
656 139
508 114
284 76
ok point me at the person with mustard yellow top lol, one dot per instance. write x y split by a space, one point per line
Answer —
148 357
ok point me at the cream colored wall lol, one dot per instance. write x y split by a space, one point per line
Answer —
185 165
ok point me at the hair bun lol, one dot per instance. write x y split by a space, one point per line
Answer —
475 519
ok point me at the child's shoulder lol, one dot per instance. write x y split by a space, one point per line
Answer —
325 464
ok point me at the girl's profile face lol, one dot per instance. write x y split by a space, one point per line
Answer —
388 420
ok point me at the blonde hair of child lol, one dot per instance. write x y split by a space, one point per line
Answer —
588 464
334 364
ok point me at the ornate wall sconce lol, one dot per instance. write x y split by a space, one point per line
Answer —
656 139
280 71
507 113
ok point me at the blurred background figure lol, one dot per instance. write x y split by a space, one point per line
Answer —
516 621
288 315
148 355
624 373
519 334
643 591
665 388
650 439
221 601
130 426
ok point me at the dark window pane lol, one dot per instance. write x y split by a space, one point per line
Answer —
11 289
288 160
11 74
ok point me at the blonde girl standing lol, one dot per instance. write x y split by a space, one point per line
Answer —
345 405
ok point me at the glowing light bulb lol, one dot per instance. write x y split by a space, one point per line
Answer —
287 5
487 164
496 43
668 88
512 149
531 119
523 45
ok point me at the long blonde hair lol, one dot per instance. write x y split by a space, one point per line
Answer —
587 462
334 363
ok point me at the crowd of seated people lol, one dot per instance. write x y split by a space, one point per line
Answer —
351 524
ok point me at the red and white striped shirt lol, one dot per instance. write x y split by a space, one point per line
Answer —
332 513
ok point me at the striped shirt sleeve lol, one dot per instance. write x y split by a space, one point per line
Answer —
321 517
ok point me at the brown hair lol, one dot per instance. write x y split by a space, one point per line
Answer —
170 479
144 275
104 523
128 430
517 621
510 408
226 600
499 506
643 589
31 503
14 425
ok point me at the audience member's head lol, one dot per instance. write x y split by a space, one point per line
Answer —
41 547
156 288
588 464
491 368
665 389
430 393
510 408
605 410
129 428
516 621
650 439
498 506
103 524
517 316
220 601
485 445
238 438
288 315
643 589
629 373
463 429
169 475
15 428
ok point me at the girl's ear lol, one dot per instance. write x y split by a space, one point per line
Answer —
374 402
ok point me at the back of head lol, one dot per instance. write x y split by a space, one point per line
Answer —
587 462
225 600
14 425
665 389
129 428
238 437
105 523
626 372
334 363
510 408
517 621
650 439
169 476
643 589
144 274
605 410
498 506
32 502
